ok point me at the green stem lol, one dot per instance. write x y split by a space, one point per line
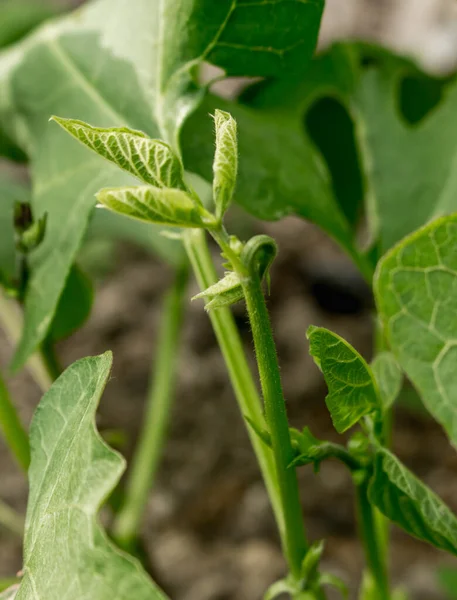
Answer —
11 322
13 431
50 359
295 545
11 520
372 540
157 417
240 375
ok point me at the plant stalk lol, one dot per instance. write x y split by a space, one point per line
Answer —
295 544
373 541
11 323
240 375
11 520
157 417
13 431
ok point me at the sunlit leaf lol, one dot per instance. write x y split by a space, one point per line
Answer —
225 165
66 552
155 205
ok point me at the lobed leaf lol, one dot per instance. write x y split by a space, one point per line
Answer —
66 553
225 164
154 205
409 503
352 389
150 160
415 288
389 377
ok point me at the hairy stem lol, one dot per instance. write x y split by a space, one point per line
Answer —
240 375
373 541
295 544
11 520
157 416
13 431
11 323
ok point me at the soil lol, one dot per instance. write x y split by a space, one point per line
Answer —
208 530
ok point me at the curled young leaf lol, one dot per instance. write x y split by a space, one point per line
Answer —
352 389
409 503
225 165
155 205
225 292
152 161
259 253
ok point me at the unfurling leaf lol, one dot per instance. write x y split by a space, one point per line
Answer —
352 389
225 165
66 553
225 292
152 161
28 233
310 564
415 289
389 377
406 501
155 205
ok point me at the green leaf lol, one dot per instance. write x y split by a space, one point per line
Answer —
352 389
225 292
18 17
406 501
11 191
279 173
152 161
277 589
415 289
389 377
85 67
155 205
407 192
447 577
10 593
74 305
225 165
66 553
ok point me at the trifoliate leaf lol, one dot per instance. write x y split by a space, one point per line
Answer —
152 161
409 503
225 165
352 389
66 552
155 205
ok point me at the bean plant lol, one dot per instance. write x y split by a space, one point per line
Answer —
356 140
